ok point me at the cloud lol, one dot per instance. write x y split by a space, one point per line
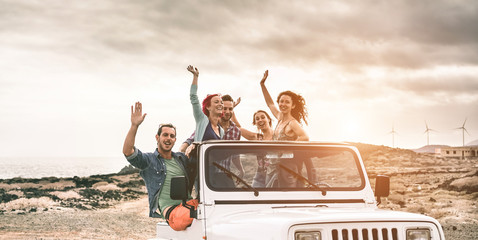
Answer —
451 84
374 59
367 33
351 35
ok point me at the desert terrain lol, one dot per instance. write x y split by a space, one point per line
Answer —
115 206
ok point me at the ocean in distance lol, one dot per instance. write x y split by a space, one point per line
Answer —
59 167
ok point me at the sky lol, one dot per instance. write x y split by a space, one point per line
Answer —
69 71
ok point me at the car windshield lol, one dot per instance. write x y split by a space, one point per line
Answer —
282 167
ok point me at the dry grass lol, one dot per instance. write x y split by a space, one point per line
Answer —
104 186
32 204
66 195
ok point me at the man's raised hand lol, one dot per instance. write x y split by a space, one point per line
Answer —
237 102
137 116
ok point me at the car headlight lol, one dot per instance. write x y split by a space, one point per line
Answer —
418 234
308 236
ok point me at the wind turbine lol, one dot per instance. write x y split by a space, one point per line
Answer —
427 131
393 135
464 130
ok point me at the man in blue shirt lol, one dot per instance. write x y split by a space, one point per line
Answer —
157 169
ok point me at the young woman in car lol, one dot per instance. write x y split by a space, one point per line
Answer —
263 122
291 113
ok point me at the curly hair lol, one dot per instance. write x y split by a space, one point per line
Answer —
300 110
261 111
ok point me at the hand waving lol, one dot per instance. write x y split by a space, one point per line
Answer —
193 70
137 115
237 102
266 73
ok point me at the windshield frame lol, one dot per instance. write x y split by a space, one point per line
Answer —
250 148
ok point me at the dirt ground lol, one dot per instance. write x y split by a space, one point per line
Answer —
96 207
115 206
127 220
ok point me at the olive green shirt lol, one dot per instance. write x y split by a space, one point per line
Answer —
172 170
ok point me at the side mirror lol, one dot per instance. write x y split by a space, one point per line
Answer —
382 187
179 189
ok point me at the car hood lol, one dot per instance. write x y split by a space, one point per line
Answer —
274 223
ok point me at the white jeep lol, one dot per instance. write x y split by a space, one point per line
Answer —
291 190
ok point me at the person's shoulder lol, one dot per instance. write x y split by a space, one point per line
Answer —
294 123
181 157
149 155
179 154
138 152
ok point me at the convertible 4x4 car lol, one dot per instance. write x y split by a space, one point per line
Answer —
291 190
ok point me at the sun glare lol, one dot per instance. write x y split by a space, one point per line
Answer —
350 130
375 72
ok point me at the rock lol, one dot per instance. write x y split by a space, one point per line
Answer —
468 184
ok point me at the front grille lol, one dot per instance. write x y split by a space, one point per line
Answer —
365 234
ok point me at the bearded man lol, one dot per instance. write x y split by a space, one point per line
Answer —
157 169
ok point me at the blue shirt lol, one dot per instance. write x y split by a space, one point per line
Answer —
209 134
153 172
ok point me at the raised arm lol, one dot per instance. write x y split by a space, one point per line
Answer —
197 110
137 117
195 73
244 132
248 134
234 119
237 102
267 96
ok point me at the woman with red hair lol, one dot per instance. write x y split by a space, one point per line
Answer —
207 117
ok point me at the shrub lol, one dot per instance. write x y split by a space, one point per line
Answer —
37 193
90 193
84 181
132 183
6 197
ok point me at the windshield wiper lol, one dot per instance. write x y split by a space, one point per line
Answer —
229 173
324 192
